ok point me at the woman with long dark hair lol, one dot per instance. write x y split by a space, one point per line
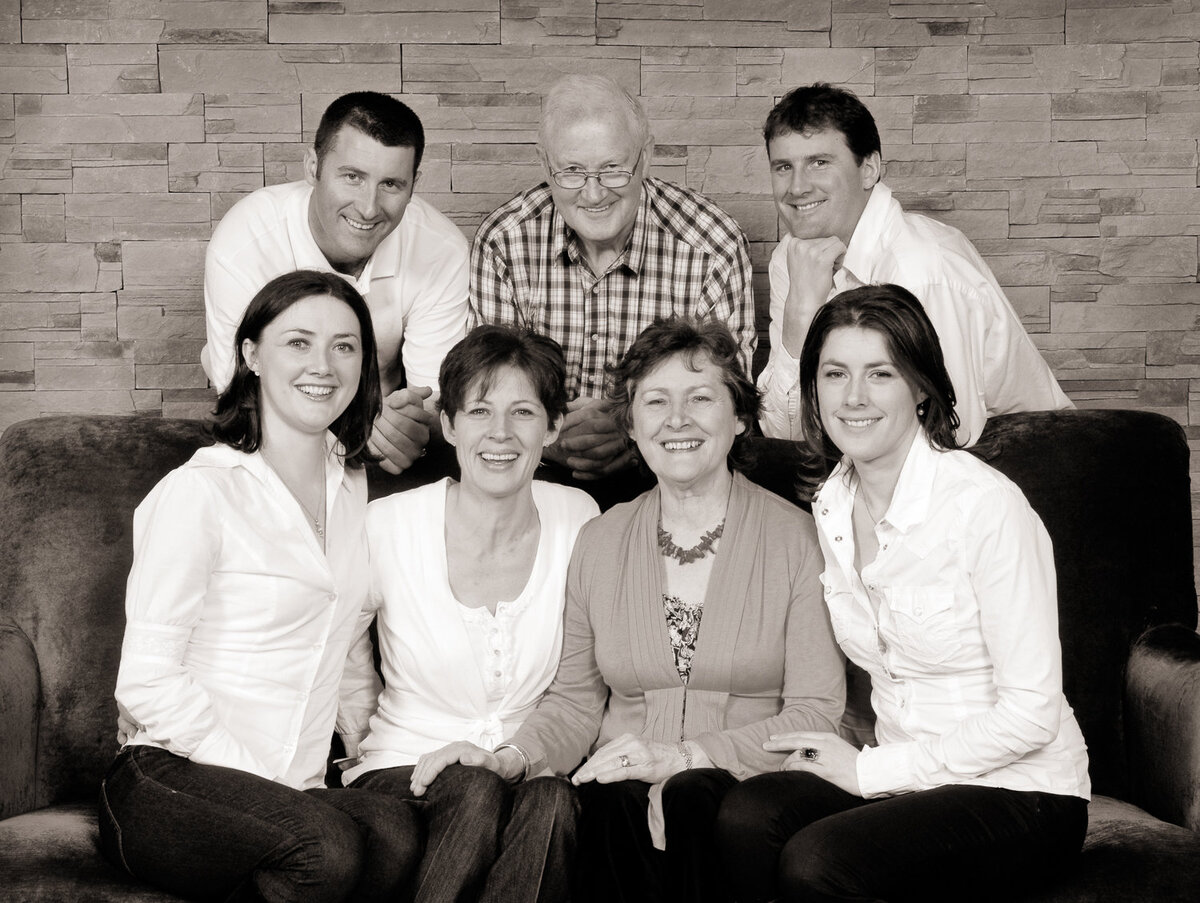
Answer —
939 580
245 643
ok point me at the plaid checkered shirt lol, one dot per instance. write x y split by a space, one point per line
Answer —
685 256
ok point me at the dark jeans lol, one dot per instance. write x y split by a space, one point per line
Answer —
489 840
617 860
210 833
793 836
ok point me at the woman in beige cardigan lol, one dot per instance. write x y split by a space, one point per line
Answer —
694 631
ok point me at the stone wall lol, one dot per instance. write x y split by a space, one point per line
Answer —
1060 135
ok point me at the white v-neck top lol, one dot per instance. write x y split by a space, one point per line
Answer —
451 672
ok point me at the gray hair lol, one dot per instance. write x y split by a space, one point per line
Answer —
574 98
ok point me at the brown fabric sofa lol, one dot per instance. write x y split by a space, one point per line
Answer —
1111 486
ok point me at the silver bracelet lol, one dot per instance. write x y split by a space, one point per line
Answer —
686 752
525 763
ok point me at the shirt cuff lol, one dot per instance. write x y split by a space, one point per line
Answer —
885 770
351 740
787 369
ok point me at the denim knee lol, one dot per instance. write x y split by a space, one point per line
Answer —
321 862
555 796
471 784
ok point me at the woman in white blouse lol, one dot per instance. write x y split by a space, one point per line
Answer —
940 583
243 607
468 577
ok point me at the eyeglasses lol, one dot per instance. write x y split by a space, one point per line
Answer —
574 179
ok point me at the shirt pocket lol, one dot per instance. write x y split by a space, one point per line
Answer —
922 623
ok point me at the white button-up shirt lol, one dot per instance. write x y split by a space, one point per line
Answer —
415 283
993 364
956 621
238 625
450 673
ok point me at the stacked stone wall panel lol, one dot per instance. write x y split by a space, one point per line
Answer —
1059 135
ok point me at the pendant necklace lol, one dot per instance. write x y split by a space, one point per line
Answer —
867 507
317 522
686 556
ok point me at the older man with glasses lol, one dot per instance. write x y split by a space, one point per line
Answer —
599 251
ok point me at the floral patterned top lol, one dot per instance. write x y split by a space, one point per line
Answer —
683 627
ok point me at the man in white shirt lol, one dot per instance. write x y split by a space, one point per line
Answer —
355 214
844 230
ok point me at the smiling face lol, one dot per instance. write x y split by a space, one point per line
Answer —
819 188
867 406
601 217
499 434
684 423
309 362
360 192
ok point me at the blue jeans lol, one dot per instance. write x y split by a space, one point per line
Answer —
209 833
793 836
488 840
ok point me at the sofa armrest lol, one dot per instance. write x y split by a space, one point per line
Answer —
20 706
1162 723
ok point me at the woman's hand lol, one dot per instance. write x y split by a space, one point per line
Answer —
826 755
630 758
430 765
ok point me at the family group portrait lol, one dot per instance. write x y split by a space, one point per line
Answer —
594 451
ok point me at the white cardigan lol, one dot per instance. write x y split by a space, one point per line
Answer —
435 690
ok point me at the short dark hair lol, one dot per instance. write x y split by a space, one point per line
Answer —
911 341
819 106
389 121
237 419
688 337
478 357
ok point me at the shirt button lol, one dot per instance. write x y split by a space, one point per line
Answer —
884 547
332 597
495 674
837 539
595 337
824 510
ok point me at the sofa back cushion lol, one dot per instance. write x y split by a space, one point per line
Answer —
1111 486
1113 490
68 487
